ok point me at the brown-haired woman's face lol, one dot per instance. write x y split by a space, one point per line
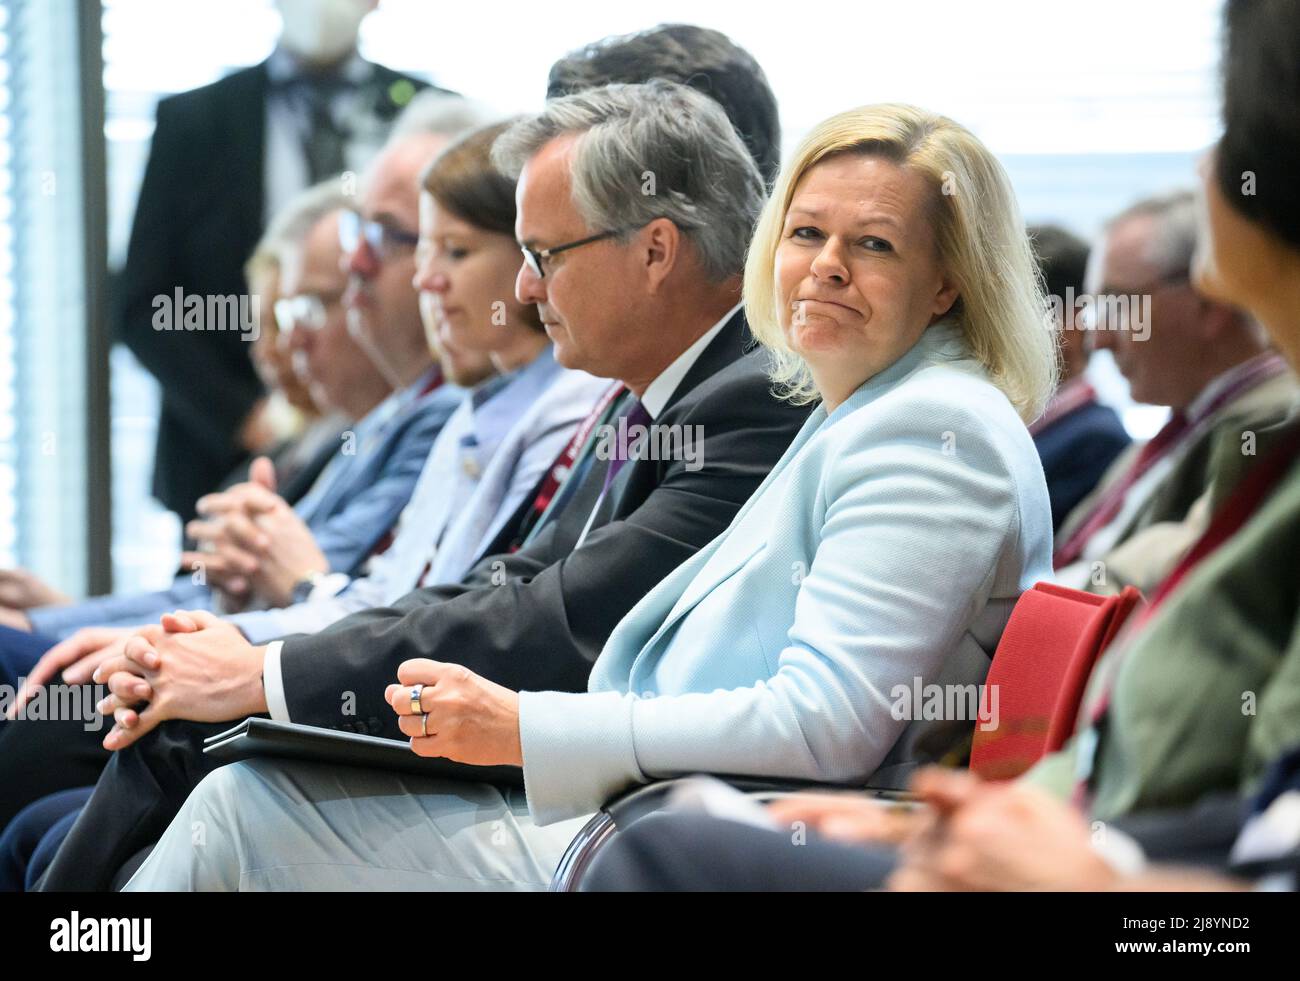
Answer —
465 276
857 269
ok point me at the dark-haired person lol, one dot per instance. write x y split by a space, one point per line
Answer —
1209 694
1202 698
642 289
519 410
359 334
912 500
700 57
1077 436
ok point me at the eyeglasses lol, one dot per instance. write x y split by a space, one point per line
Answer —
307 310
384 240
1111 311
533 258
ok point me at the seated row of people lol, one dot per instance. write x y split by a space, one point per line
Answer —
864 507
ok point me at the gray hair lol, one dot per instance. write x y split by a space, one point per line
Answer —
440 113
1174 216
291 224
655 150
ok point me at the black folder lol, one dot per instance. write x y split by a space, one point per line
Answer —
258 738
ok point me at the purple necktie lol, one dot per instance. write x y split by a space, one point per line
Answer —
636 416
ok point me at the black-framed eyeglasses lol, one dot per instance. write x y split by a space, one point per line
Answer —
384 240
533 257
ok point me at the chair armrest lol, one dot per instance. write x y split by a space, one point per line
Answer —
640 801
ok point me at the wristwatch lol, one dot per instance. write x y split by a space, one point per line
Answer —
314 582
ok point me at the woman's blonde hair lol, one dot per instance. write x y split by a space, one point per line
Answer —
982 245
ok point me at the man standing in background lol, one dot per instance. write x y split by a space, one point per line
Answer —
223 157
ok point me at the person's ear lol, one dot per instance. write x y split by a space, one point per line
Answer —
944 298
1217 319
660 245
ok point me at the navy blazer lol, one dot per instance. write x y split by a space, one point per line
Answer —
1076 450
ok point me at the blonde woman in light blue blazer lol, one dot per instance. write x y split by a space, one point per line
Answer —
891 279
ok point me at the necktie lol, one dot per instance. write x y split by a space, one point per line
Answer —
1231 385
1113 501
325 140
567 470
627 446
1240 506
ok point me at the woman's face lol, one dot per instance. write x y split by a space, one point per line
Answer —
465 276
857 269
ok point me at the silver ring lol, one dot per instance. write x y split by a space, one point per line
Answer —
424 724
416 707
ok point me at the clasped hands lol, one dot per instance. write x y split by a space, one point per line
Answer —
251 543
196 666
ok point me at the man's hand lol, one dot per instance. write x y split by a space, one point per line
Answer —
462 716
191 666
847 817
289 552
77 657
15 620
1003 836
262 547
21 590
223 533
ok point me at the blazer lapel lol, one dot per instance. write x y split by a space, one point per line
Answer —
244 133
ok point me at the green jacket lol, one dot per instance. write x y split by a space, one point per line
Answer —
1208 692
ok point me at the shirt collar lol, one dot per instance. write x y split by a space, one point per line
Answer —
282 67
1223 382
399 400
659 391
498 403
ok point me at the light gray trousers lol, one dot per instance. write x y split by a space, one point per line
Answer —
266 825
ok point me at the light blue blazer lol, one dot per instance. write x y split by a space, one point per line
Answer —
886 548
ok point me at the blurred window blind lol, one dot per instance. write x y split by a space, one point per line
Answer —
43 473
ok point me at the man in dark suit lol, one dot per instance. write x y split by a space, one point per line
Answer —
536 616
1077 437
223 157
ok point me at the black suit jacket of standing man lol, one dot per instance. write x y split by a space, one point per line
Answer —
198 217
540 628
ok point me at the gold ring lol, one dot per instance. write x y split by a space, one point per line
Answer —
424 724
415 699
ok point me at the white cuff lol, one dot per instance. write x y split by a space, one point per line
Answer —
327 586
273 683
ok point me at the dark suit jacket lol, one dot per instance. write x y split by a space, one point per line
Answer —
1076 451
538 618
197 220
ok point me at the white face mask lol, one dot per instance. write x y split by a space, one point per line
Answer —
321 30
